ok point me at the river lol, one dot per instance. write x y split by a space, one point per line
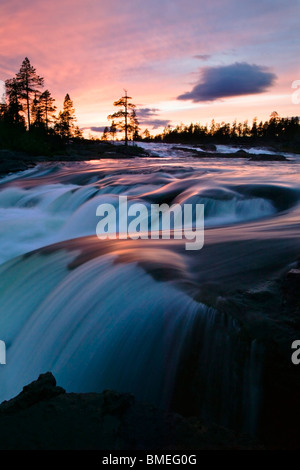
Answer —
184 330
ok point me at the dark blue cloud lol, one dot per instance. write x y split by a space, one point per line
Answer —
148 117
156 123
98 129
145 113
230 80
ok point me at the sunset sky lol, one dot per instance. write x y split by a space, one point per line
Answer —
181 60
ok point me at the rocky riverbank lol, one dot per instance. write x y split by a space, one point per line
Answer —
44 416
14 161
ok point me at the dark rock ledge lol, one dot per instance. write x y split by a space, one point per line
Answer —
44 416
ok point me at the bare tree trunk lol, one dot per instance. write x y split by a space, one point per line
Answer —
27 100
46 112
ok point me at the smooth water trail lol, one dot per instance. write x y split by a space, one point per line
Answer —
110 325
47 205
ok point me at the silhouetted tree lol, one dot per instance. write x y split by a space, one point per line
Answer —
65 123
123 114
134 125
46 108
113 130
105 134
13 106
36 114
254 131
29 83
78 133
146 134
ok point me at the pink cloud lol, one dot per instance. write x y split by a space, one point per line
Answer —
93 49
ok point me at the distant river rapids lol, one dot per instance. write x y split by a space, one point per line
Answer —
146 316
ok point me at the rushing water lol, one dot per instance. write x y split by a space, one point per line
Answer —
142 316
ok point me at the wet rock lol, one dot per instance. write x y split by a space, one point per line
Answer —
186 149
41 389
263 157
291 286
116 403
7 154
208 147
43 416
9 166
222 155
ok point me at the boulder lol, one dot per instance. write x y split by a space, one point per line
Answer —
41 389
291 286
264 157
208 147
43 416
8 166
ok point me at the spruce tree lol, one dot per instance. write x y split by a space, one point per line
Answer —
47 108
113 130
66 118
105 134
134 125
36 113
14 105
29 84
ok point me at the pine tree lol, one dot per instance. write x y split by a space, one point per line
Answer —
36 113
105 134
134 125
146 134
254 132
14 106
65 123
123 114
113 130
78 133
47 108
29 83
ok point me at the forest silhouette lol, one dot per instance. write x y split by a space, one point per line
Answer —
28 123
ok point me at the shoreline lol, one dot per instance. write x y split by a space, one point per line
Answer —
12 161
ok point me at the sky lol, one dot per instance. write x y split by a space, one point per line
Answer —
181 61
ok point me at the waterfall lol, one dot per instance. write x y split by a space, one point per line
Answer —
106 324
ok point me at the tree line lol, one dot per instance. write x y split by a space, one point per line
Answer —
28 121
27 114
275 130
284 131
